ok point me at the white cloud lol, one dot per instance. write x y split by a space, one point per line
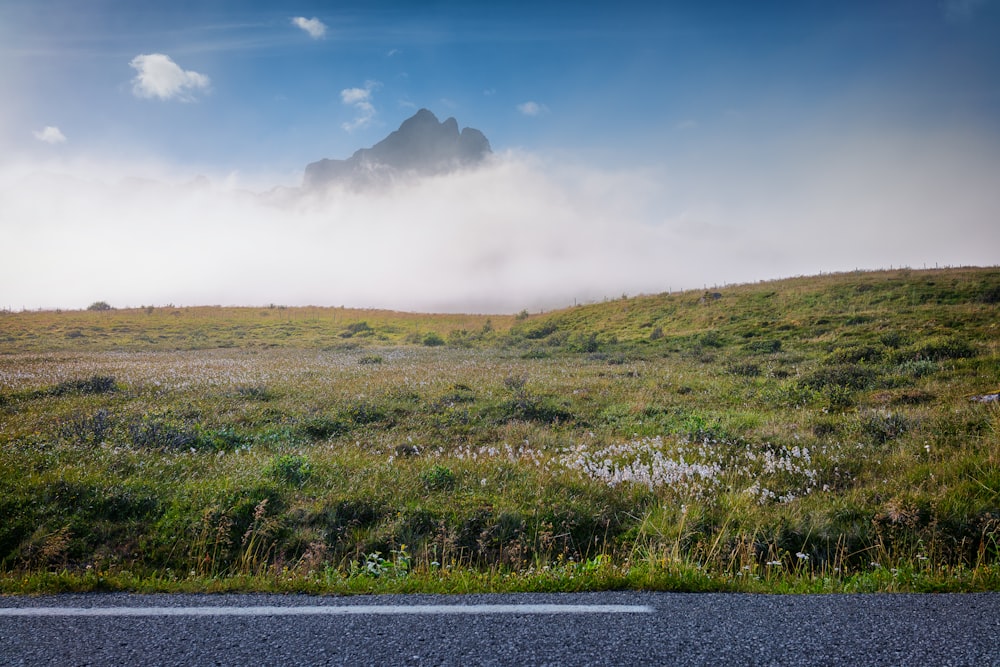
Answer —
159 76
532 108
361 100
392 52
313 26
50 135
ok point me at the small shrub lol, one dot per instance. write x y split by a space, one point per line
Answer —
764 346
433 340
584 342
943 348
526 408
893 339
850 376
710 339
540 330
370 359
97 384
868 354
459 393
515 383
697 428
155 433
656 333
366 413
881 427
254 393
918 368
438 478
913 397
407 451
290 469
990 295
838 397
321 428
100 306
87 430
744 370
357 329
460 338
825 427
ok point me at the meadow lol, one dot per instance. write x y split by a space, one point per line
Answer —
827 433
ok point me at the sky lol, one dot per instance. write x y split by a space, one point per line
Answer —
638 148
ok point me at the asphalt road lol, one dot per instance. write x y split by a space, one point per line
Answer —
640 629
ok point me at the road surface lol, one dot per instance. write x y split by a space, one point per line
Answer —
621 628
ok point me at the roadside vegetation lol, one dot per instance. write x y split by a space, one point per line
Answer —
831 433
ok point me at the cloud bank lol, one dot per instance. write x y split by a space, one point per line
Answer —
521 232
160 77
314 27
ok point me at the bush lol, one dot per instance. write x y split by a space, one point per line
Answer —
357 329
943 348
540 330
765 346
881 427
153 433
460 338
290 469
366 413
744 370
990 295
868 354
584 342
918 368
99 306
321 428
710 339
96 384
849 376
438 478
525 408
433 340
254 393
87 430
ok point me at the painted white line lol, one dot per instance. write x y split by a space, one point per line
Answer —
331 610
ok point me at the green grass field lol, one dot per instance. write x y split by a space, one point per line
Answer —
810 434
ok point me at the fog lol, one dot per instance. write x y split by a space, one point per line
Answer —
524 231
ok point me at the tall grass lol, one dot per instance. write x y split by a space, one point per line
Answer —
815 434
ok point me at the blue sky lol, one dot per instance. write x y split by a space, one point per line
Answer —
717 118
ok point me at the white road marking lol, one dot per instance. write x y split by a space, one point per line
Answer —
332 610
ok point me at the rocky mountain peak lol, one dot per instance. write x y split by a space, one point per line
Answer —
421 146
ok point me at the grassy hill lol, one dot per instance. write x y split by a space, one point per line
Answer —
814 433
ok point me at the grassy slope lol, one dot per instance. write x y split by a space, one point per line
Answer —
210 327
278 448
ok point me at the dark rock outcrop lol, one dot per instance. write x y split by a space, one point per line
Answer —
422 146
